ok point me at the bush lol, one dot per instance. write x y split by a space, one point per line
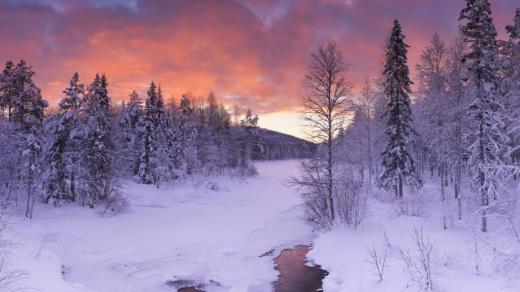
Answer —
351 202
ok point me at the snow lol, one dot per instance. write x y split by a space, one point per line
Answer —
182 232
192 232
343 252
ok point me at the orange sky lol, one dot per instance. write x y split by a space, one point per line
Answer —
252 52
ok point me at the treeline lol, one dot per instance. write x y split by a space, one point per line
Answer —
78 153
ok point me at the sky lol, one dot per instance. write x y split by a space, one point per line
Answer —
252 53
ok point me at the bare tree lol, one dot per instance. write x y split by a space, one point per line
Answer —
326 106
366 103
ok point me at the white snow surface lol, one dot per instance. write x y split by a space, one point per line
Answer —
194 233
344 253
182 232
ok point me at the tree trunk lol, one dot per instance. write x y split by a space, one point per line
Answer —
329 169
370 163
400 187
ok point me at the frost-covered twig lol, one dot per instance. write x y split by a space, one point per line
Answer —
378 260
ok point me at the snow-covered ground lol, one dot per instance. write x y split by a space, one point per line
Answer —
344 252
167 234
222 236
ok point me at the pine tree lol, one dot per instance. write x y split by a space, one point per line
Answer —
98 147
398 162
510 85
153 165
486 139
7 89
27 113
64 153
130 135
187 133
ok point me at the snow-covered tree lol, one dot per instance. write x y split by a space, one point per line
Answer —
487 140
130 133
64 152
98 146
510 85
153 163
187 133
457 123
398 161
7 89
27 113
326 107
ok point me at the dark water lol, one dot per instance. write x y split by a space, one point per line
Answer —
295 276
189 289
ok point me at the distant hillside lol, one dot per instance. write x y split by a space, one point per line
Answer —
272 145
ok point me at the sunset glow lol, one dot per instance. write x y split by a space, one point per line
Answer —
252 53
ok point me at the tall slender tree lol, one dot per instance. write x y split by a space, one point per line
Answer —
398 161
64 152
98 147
487 140
325 108
27 113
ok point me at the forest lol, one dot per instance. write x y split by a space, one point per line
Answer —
408 181
77 152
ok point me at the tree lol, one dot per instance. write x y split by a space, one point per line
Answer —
398 162
458 122
27 113
510 85
487 141
154 161
366 105
187 133
130 135
64 154
98 146
7 89
326 106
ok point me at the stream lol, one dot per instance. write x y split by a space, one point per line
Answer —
294 276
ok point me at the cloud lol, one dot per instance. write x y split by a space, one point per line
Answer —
250 52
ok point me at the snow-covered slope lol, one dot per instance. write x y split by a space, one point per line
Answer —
171 233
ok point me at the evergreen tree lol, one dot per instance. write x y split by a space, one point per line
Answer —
63 153
130 134
510 86
187 133
153 165
98 147
398 162
486 139
7 89
27 113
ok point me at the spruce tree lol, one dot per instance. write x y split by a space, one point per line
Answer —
187 133
130 134
487 139
98 147
27 113
64 153
7 89
398 162
153 161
